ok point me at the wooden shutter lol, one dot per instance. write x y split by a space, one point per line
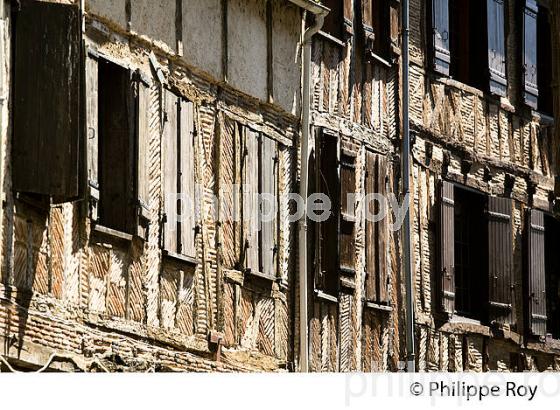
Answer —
500 260
348 12
530 53
367 23
496 47
92 131
447 247
47 109
250 183
440 36
142 143
187 187
348 215
381 234
268 182
370 239
170 172
536 273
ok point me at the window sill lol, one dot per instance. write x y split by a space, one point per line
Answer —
260 275
348 218
181 258
112 233
332 39
378 307
376 58
325 297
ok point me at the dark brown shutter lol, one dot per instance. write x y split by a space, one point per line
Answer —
530 53
142 142
170 172
381 234
500 260
47 108
250 181
536 273
440 36
348 215
367 23
268 182
92 131
447 247
370 240
187 188
348 12
496 47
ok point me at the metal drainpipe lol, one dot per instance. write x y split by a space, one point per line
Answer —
407 259
302 237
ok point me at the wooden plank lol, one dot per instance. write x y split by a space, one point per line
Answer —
170 177
441 38
92 131
47 100
530 53
187 179
447 248
142 142
269 186
496 47
381 234
348 214
500 268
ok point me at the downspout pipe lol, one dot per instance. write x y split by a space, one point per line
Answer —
303 187
407 257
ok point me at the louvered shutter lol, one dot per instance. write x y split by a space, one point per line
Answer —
142 142
170 172
500 261
530 53
381 234
250 181
47 138
348 216
268 182
536 273
440 36
370 240
496 47
92 131
186 175
447 247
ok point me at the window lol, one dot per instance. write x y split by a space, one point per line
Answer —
376 232
328 183
179 177
470 248
117 138
543 278
461 49
376 23
259 202
537 57
48 138
339 19
473 227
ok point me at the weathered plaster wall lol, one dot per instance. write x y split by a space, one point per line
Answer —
156 20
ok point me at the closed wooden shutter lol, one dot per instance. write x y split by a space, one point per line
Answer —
381 234
250 183
440 36
187 188
348 214
500 260
536 273
142 143
367 23
447 247
370 239
47 81
496 47
530 53
269 186
170 172
92 131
